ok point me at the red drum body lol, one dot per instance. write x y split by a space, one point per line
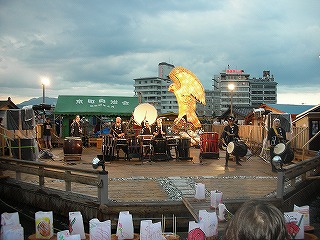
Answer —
72 145
209 145
284 151
237 148
209 142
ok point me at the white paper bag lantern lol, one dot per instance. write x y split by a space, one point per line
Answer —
150 231
222 208
200 191
76 224
145 229
215 198
125 226
304 210
63 234
99 230
44 224
10 218
196 230
12 231
294 224
73 237
210 222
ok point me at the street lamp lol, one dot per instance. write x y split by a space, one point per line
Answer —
44 81
231 88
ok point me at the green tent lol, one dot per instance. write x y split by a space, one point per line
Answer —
95 105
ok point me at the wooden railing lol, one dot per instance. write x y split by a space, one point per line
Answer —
69 175
294 174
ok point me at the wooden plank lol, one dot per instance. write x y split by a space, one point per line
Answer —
72 157
190 208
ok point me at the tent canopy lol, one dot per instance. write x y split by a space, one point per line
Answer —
95 105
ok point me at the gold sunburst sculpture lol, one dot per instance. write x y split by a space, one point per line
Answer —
188 90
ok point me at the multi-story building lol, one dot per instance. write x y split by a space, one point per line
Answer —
246 92
154 90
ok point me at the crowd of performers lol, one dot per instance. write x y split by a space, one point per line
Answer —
276 138
147 133
229 137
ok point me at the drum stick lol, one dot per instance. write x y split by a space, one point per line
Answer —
295 136
114 132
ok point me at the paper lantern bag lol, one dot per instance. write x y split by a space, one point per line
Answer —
210 222
215 198
125 226
10 218
76 224
150 231
12 231
100 230
294 225
304 210
44 224
200 191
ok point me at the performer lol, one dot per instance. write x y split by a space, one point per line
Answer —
158 131
119 131
76 129
47 129
146 128
276 135
230 133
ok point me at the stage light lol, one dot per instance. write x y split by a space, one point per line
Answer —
96 162
277 163
44 82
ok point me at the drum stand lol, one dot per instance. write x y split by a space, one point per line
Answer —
259 151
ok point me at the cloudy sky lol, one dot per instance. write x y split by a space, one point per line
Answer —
98 47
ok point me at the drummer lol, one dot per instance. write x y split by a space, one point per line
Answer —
76 129
158 131
146 128
118 131
276 135
230 133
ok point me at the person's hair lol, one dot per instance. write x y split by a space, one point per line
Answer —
256 220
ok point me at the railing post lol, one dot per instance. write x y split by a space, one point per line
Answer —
41 177
67 181
103 187
280 184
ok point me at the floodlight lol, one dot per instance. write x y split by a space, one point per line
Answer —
277 163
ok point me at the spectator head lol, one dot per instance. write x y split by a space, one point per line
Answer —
257 220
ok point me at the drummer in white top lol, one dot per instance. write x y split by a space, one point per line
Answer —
276 135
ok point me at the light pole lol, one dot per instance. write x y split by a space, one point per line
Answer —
44 82
231 88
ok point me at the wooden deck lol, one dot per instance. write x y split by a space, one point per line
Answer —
135 180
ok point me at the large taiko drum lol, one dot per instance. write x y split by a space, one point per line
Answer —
159 146
209 142
122 142
184 148
72 145
145 140
237 148
109 144
284 151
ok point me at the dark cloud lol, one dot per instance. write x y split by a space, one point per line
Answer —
87 47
